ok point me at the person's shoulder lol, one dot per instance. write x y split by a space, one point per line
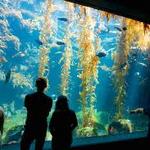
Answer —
71 111
30 95
48 98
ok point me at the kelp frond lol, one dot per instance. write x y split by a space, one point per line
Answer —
88 62
44 38
67 55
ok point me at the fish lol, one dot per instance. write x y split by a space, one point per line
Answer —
105 68
3 60
60 43
101 54
138 76
124 28
23 68
22 55
122 66
39 42
7 76
59 52
63 19
121 29
1 120
142 64
19 54
109 69
111 49
108 40
137 73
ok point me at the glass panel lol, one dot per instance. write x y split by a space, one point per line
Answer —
100 61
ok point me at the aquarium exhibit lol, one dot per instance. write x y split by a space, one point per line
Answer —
99 60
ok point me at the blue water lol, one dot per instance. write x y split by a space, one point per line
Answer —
25 60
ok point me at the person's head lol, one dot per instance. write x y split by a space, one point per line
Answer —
41 84
62 103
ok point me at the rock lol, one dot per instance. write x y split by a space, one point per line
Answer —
14 134
120 126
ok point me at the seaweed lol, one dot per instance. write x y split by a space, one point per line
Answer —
45 34
65 74
20 80
67 55
91 129
108 15
135 32
88 62
7 36
121 57
12 123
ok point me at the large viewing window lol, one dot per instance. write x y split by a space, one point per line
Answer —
99 60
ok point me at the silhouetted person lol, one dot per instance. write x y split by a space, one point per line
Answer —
146 111
38 106
62 123
1 121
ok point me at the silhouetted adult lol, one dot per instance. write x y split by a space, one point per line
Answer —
1 120
62 123
38 106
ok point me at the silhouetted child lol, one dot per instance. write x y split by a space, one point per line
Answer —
38 106
62 123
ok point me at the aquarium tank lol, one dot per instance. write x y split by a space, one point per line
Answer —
99 60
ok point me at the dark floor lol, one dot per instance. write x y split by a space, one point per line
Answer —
94 143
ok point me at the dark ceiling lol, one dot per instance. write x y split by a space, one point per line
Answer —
135 9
